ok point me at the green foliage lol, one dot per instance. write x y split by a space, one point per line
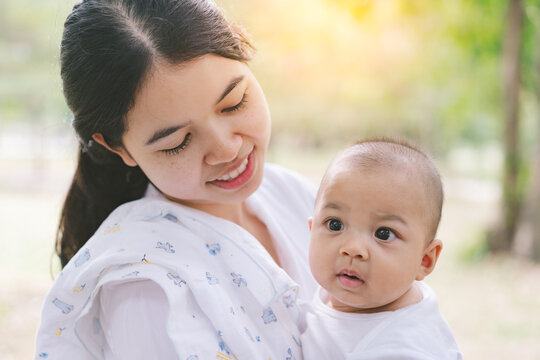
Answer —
339 70
30 90
333 70
474 249
531 38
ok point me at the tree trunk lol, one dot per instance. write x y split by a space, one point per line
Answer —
527 239
501 240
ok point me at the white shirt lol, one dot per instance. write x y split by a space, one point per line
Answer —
137 311
416 332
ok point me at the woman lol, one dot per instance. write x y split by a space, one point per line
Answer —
174 235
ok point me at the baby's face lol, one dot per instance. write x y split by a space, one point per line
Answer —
368 237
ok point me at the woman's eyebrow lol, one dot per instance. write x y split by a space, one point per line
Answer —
161 133
230 88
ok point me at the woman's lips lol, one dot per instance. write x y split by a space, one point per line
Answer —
234 174
239 176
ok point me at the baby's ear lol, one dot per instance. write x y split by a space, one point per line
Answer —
429 259
310 222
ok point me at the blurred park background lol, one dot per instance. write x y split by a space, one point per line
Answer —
458 77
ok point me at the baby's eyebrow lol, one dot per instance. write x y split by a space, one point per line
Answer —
335 205
387 216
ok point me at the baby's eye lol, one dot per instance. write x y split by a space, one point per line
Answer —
334 225
385 234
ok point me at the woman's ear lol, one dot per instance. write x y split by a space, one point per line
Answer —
310 222
429 259
124 155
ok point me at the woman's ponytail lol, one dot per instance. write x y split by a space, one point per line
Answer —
101 183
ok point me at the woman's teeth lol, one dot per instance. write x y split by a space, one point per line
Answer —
233 174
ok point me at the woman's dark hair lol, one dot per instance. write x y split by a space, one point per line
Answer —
108 47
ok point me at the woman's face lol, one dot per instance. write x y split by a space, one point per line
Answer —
199 131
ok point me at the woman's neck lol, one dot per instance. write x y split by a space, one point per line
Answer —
236 213
243 217
240 214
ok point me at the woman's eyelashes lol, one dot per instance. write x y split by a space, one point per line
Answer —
238 106
187 138
182 146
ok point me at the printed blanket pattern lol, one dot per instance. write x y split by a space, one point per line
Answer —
228 299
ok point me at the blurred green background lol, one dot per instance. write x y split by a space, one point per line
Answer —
334 71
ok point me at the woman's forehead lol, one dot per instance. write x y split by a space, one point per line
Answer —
179 92
206 74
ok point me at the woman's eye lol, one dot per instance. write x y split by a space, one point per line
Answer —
182 146
385 234
238 106
334 225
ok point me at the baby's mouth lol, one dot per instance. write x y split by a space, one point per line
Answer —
350 274
350 278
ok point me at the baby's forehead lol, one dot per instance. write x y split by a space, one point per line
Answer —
409 174
344 175
347 164
389 158
379 155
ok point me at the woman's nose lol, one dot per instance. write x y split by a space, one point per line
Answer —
355 247
223 145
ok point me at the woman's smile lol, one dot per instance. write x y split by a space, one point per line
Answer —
237 177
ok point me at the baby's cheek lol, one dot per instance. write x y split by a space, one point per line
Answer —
315 262
323 261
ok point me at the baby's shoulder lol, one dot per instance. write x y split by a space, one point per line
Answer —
421 332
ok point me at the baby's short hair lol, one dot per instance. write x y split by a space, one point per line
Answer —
382 153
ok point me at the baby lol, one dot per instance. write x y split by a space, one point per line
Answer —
372 243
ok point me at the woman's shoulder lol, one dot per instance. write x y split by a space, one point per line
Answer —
285 181
135 227
136 210
280 173
144 211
